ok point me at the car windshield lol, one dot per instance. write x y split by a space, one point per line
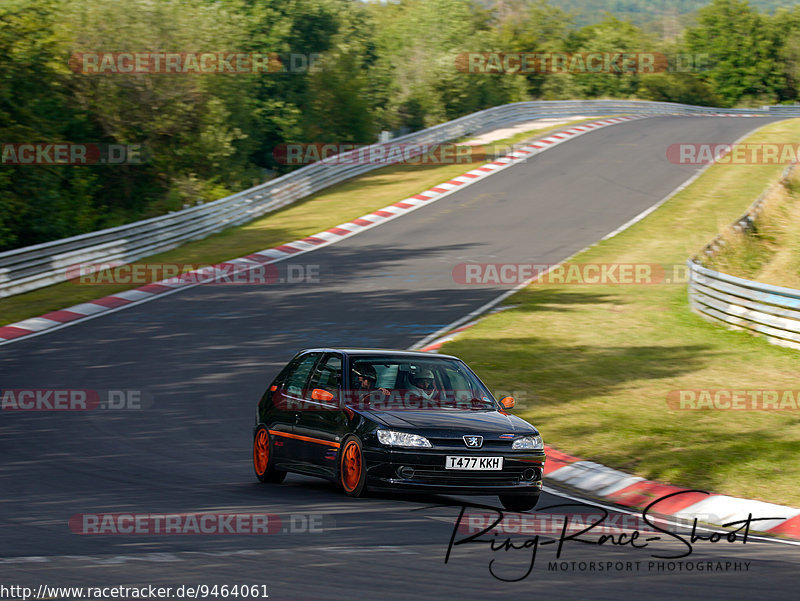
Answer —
397 383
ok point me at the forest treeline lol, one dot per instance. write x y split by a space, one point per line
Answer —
346 70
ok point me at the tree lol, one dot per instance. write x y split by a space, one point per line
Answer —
609 37
39 203
744 65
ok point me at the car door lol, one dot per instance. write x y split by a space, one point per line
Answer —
289 400
322 423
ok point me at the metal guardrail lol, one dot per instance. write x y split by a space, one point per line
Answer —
771 311
36 266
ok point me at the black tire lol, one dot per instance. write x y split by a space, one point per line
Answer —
262 458
519 502
352 470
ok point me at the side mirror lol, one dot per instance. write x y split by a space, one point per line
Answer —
321 395
508 402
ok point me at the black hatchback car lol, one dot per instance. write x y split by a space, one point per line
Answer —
401 420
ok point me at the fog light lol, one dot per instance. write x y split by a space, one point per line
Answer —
530 474
405 472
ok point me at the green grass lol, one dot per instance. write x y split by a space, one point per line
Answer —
595 363
338 204
770 254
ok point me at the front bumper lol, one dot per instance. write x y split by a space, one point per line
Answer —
521 474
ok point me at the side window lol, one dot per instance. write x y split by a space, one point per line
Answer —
296 380
285 372
387 376
328 375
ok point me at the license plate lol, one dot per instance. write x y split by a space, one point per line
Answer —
473 463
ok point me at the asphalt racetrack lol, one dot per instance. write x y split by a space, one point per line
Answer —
203 357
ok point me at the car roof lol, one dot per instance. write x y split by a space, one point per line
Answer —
379 351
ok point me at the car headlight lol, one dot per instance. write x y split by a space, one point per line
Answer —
402 439
534 443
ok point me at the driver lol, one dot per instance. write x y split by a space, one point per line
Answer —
364 379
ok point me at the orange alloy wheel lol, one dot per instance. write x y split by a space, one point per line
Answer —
261 452
351 466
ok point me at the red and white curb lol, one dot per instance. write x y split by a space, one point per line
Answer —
610 485
599 481
56 320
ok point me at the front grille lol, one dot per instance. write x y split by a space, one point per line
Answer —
439 475
458 444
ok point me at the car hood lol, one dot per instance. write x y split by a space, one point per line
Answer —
461 420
